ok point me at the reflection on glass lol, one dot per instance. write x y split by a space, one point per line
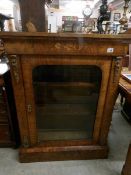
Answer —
66 100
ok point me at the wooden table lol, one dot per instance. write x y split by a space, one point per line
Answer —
125 91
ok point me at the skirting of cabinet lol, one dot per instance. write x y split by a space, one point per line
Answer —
37 154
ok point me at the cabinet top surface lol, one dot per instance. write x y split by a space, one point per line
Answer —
33 35
62 43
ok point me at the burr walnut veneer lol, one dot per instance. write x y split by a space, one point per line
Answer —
65 87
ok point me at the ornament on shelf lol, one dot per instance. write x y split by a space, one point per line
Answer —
2 20
104 16
124 20
48 2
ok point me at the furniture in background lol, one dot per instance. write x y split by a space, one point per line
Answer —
9 132
129 57
125 91
127 166
129 61
125 61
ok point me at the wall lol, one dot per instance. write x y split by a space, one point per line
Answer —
11 8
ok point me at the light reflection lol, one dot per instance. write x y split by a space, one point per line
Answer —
6 4
3 68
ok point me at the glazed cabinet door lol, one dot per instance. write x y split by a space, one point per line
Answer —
65 97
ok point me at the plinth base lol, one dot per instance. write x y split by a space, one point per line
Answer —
58 153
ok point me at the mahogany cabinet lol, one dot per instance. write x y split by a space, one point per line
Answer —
65 87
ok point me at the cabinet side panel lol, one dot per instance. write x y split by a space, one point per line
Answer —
112 93
19 95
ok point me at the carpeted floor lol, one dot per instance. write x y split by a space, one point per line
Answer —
119 137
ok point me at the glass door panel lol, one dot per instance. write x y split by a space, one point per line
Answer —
66 98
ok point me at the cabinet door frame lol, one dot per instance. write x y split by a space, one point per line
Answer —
29 62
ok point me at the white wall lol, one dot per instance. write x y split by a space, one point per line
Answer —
12 9
6 8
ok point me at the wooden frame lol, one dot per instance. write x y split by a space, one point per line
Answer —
117 16
28 50
127 76
27 67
